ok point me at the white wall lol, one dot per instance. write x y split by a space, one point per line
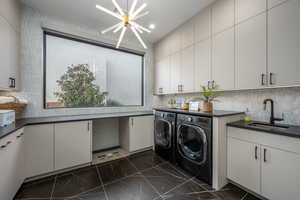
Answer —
32 63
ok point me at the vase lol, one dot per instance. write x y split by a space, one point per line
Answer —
207 106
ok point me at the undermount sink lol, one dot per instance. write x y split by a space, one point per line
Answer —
269 126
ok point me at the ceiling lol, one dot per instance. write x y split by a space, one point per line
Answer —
165 14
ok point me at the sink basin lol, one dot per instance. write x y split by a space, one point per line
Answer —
269 126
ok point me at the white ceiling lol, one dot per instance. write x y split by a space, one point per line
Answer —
165 14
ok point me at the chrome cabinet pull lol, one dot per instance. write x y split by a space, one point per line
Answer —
263 79
208 84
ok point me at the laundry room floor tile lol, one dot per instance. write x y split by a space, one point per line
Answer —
145 160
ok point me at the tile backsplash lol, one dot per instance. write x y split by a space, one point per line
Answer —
287 102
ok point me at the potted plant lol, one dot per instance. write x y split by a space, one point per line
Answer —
171 102
208 96
185 105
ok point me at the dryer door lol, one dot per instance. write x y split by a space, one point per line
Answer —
192 143
163 133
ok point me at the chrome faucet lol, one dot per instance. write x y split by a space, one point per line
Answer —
272 118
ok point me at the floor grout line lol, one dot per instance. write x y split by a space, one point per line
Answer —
102 184
53 188
244 197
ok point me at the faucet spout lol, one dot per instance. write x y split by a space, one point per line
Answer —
272 118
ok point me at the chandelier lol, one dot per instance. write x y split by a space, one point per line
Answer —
128 21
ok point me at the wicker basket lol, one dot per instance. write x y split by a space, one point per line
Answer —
16 106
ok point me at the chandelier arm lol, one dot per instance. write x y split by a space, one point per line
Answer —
133 7
118 7
118 28
121 36
111 28
141 27
109 12
140 9
142 15
138 37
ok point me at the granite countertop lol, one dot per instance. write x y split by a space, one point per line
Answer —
215 113
4 131
292 131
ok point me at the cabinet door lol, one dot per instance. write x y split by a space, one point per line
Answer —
39 149
187 69
175 72
72 144
249 8
202 64
284 44
175 42
223 59
187 34
243 163
203 25
222 15
162 76
273 3
14 58
251 56
141 133
4 53
280 174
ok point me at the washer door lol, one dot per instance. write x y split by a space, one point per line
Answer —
192 143
163 133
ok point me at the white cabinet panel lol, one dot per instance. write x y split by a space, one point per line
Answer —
175 42
244 163
141 133
10 10
223 59
280 174
272 3
187 69
284 43
14 58
222 15
202 64
187 34
203 25
162 76
251 53
72 144
39 149
4 53
249 8
175 72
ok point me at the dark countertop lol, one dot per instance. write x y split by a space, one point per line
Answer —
4 131
292 131
215 113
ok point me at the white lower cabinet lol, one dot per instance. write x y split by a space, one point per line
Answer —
264 163
39 149
137 133
244 157
280 174
72 144
11 164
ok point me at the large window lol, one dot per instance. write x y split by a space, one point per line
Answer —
83 73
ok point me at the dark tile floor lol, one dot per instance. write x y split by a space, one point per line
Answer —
143 176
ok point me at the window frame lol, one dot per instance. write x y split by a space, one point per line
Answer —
95 43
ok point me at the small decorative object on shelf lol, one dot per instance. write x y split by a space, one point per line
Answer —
194 106
171 103
208 96
185 105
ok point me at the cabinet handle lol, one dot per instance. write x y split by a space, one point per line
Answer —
132 122
11 82
208 84
213 84
19 136
5 145
263 79
160 90
271 79
182 88
256 148
265 155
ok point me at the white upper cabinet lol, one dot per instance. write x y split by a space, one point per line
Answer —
284 44
187 69
249 8
4 53
175 72
202 64
175 42
203 25
223 60
272 3
251 70
222 15
162 76
187 32
10 10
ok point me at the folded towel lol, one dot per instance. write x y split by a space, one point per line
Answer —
22 100
4 100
